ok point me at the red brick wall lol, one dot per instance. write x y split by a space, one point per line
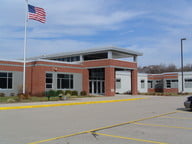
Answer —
37 80
85 80
110 62
171 90
109 81
35 73
134 82
163 77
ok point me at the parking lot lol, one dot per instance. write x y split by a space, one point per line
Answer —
169 128
160 120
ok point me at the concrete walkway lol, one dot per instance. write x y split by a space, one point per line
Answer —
77 100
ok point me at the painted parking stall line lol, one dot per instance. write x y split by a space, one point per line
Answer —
108 127
167 126
129 138
185 118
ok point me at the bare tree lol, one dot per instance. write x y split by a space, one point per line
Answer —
162 68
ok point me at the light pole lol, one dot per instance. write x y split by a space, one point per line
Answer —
182 39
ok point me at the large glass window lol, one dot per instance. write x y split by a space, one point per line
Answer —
142 83
49 80
64 81
171 83
6 80
150 84
96 74
118 83
168 83
69 59
188 83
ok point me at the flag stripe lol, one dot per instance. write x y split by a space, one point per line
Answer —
36 13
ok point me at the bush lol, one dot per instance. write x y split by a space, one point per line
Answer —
60 92
12 94
83 93
23 96
74 93
51 93
68 92
2 94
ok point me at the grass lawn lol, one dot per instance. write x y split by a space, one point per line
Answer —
15 99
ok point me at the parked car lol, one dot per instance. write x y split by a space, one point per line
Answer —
188 103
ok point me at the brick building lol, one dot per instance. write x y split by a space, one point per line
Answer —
93 71
170 82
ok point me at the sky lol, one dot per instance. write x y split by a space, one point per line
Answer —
153 27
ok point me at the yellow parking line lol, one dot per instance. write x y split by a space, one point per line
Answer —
163 126
102 128
177 117
129 138
60 137
68 104
107 127
183 111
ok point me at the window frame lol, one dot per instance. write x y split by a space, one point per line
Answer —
6 81
65 81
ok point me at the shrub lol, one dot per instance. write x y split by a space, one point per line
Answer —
83 93
23 96
2 94
60 92
12 94
20 96
68 92
74 93
51 93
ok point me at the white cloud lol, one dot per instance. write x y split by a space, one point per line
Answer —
72 23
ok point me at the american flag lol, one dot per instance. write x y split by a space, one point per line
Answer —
36 13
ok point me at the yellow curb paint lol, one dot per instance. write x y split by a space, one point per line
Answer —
129 138
102 128
68 104
163 126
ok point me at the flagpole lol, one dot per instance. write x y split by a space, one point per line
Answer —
25 47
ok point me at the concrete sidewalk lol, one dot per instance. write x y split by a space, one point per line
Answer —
76 100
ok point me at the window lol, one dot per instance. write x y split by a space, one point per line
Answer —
142 83
97 74
188 83
6 80
118 83
64 81
49 80
171 83
69 59
150 84
168 83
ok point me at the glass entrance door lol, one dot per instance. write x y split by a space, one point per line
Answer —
96 86
96 81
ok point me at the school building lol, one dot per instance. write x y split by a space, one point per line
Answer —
93 71
99 71
149 83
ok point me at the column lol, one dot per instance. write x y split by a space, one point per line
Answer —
109 81
85 81
134 82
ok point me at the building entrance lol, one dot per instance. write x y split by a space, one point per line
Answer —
96 86
96 81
